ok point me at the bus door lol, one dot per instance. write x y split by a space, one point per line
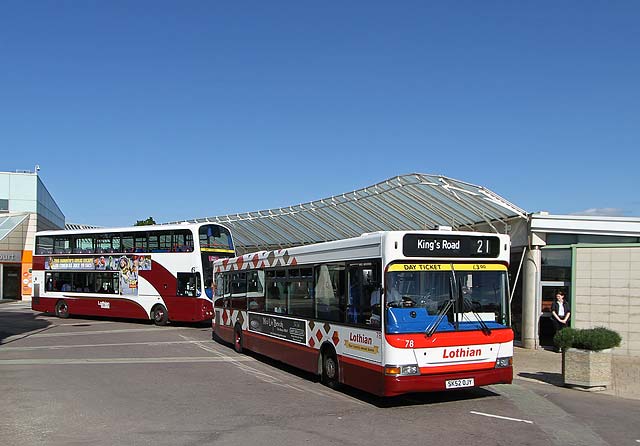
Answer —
189 288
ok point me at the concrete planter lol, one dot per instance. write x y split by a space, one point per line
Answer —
586 368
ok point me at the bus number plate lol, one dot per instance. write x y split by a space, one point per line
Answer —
457 383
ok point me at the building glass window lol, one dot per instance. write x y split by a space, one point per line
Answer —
516 289
572 239
556 265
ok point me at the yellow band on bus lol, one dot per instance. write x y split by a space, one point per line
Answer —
217 250
446 267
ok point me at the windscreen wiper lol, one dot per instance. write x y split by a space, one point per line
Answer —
467 303
431 329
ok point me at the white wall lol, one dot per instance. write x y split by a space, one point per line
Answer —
608 292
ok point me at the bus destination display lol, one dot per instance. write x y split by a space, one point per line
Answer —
427 245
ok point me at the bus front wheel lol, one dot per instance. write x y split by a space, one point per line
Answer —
159 315
62 309
330 369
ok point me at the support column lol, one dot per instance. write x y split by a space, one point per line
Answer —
530 306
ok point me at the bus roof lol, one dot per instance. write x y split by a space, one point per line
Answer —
146 228
366 239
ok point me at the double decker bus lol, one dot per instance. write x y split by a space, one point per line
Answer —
144 272
387 312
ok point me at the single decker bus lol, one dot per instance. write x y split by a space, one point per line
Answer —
156 272
387 312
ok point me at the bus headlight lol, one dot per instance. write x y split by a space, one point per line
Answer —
504 362
402 370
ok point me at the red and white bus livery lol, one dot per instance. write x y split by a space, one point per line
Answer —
143 272
386 312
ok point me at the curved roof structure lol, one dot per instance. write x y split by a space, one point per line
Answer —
406 202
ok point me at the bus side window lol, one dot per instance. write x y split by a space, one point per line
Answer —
363 300
255 290
239 291
329 292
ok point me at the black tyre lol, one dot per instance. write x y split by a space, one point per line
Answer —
330 374
237 339
159 315
62 309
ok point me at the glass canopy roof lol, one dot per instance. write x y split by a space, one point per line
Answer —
406 202
9 222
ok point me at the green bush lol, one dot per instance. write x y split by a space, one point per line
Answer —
564 338
596 339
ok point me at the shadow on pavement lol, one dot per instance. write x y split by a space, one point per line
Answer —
412 399
420 399
546 377
17 323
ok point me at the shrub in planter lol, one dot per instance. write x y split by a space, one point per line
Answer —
597 339
564 338
586 355
593 339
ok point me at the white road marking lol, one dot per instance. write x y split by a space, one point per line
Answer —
100 332
501 417
67 346
271 379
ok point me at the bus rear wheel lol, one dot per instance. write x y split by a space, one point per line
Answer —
237 339
330 374
62 309
159 315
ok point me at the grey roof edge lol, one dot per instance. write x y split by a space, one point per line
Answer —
411 178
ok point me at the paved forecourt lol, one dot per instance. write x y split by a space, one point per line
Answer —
75 381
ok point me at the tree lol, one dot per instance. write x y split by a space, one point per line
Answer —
147 222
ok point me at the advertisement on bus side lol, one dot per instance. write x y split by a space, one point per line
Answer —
126 266
294 330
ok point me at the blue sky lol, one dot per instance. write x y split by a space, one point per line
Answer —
198 108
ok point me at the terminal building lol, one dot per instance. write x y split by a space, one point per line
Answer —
26 206
595 260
